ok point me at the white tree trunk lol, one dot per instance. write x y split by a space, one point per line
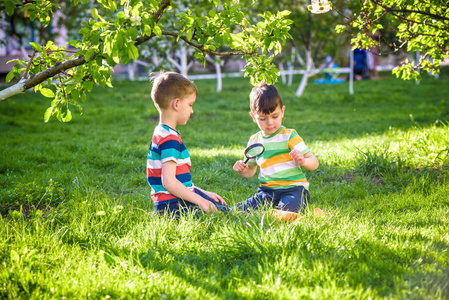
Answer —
351 73
181 54
291 65
290 73
131 70
18 88
60 30
307 74
217 63
219 80
282 71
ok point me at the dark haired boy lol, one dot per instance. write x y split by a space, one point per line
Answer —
282 181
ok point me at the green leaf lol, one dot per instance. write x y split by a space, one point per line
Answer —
133 52
88 85
10 76
36 46
47 93
147 30
99 60
227 39
133 33
261 25
78 75
74 43
120 41
95 13
157 30
218 38
48 114
67 117
9 7
189 33
89 54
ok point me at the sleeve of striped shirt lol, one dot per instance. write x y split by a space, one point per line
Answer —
170 150
296 142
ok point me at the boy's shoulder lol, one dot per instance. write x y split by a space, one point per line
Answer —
286 130
163 133
256 136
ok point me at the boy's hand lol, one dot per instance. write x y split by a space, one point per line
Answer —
240 166
215 197
298 157
207 206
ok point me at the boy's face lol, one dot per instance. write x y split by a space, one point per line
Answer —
270 123
185 108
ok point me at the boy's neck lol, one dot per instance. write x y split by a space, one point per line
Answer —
167 119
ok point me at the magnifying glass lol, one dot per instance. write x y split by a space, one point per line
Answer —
254 151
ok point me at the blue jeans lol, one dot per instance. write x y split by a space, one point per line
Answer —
293 199
175 208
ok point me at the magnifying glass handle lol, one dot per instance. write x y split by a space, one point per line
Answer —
246 160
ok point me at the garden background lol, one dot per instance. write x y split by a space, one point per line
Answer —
76 210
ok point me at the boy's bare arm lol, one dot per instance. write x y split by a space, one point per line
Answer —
244 170
175 187
307 161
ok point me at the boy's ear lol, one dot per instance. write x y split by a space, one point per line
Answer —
253 116
175 104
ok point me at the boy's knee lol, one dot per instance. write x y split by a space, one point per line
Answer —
296 202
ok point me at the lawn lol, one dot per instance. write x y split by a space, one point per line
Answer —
75 206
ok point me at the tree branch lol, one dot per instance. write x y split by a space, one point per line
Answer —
55 70
405 11
25 75
157 15
201 47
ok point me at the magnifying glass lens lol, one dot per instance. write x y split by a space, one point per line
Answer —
255 151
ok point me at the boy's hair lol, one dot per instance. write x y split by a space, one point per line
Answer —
168 86
264 99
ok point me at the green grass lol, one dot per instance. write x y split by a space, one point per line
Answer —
76 210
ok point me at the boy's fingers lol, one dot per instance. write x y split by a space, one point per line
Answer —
221 200
212 208
218 198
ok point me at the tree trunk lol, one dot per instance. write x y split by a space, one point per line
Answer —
183 66
219 80
307 74
282 71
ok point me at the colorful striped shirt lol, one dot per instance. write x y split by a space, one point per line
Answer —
167 145
277 169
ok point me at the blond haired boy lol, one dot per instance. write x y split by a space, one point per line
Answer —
168 163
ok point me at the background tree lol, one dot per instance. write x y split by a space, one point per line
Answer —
107 39
313 34
418 25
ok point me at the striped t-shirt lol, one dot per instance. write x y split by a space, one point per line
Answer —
277 169
167 145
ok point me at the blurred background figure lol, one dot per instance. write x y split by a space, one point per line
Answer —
328 63
12 47
360 65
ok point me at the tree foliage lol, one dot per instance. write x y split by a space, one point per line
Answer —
115 29
418 25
